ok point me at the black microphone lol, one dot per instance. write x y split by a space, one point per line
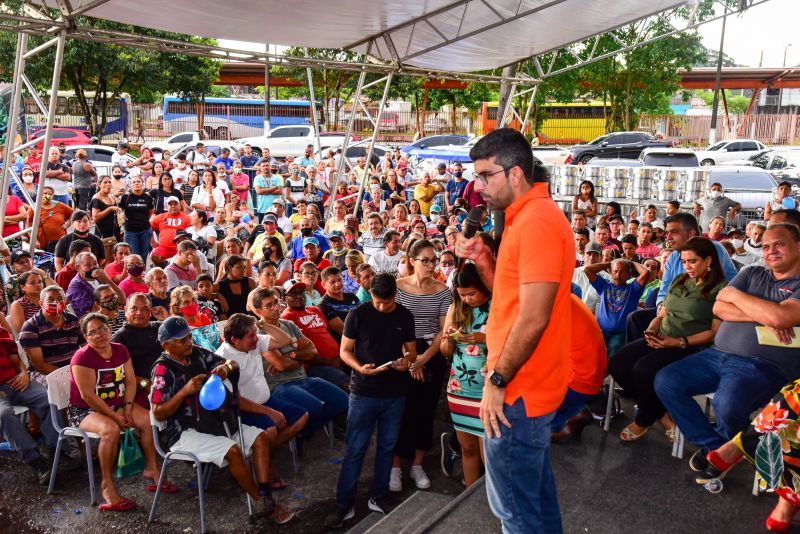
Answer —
471 226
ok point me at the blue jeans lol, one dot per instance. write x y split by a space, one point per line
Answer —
34 397
740 385
573 403
322 400
614 340
139 242
64 199
290 411
335 376
364 414
519 480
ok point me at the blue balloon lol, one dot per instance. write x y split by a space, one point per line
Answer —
212 394
788 203
245 218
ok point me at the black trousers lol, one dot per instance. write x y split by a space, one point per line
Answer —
416 432
634 367
637 323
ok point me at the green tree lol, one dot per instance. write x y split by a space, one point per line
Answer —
109 70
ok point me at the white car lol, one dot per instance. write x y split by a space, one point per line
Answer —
98 155
177 141
290 140
551 155
725 151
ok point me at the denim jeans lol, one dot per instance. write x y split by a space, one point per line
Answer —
740 385
290 411
83 196
335 376
614 341
573 403
64 199
322 400
519 480
34 397
139 242
365 413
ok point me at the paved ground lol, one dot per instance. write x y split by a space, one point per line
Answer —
604 487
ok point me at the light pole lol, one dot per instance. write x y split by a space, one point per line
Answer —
780 93
785 50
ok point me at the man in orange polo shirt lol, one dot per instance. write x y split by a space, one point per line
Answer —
528 334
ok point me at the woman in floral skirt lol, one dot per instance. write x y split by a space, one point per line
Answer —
465 341
772 445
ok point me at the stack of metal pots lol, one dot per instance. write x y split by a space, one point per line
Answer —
569 179
695 184
597 176
642 182
617 181
668 183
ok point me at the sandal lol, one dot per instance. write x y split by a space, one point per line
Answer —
166 487
629 435
121 506
670 434
277 484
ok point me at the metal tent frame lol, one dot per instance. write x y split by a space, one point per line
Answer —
381 56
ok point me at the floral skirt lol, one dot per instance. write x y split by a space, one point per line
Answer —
772 444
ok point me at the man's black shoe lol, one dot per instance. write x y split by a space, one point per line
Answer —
448 456
42 469
698 462
338 516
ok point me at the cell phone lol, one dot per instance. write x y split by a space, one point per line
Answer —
387 364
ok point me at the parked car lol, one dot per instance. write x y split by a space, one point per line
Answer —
551 154
211 145
750 160
603 162
668 157
290 140
97 155
360 151
433 141
177 141
725 151
622 145
435 125
751 187
68 136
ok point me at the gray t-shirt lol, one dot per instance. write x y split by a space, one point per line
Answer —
286 376
741 339
714 207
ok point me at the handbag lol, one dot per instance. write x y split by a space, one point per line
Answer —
108 246
130 461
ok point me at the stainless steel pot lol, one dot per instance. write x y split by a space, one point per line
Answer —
667 195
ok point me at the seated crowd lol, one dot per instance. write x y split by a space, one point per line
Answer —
336 319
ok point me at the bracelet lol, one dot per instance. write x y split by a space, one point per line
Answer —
128 402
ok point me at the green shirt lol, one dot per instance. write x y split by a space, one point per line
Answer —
363 295
688 311
649 288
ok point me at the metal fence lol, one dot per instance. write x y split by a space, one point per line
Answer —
693 130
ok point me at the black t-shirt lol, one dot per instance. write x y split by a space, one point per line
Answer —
137 211
337 308
143 345
156 302
379 338
107 226
160 198
62 247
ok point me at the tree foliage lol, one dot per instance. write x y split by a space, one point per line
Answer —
108 70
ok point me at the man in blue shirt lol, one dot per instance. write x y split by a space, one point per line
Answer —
678 229
268 187
224 158
455 186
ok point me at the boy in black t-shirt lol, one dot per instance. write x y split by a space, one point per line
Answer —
379 344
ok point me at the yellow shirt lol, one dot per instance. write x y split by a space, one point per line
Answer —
423 190
258 246
295 220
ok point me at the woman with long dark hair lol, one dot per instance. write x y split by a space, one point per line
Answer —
586 201
165 189
236 285
685 324
465 341
428 300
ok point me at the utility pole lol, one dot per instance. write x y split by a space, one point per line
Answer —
712 134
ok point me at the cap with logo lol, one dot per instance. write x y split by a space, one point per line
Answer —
173 328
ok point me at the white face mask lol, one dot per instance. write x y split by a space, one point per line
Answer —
181 164
27 178
237 170
738 243
715 194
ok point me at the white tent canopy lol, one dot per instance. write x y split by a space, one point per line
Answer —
446 35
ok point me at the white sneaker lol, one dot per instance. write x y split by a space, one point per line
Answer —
395 480
419 477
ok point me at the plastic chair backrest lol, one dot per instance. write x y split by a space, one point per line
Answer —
58 387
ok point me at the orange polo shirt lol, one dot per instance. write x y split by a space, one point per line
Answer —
588 358
550 257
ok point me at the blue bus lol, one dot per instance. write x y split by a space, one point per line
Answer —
69 114
231 118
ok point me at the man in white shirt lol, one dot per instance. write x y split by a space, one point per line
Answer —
754 231
280 419
120 157
279 209
388 260
742 257
181 171
589 296
197 158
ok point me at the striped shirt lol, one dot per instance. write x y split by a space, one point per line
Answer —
57 344
427 310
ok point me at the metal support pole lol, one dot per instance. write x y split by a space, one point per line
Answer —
506 94
13 119
51 117
267 110
314 118
375 130
529 109
712 134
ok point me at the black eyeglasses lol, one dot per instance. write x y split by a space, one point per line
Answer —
483 177
427 262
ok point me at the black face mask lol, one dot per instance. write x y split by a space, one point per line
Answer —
441 227
88 274
267 251
458 174
306 232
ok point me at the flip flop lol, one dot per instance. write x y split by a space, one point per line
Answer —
277 484
121 506
166 487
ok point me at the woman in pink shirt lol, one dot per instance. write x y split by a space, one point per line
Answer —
646 249
240 181
134 282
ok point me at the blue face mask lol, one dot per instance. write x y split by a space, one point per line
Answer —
461 217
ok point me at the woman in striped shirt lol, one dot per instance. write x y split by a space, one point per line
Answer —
428 300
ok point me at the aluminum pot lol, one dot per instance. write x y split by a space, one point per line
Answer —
667 195
593 173
645 172
641 187
572 170
567 190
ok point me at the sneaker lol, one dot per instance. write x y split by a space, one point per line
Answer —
419 477
395 480
338 516
698 462
449 456
378 504
42 469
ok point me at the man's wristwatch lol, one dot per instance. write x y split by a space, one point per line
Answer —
684 342
497 380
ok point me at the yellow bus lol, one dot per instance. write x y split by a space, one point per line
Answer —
572 122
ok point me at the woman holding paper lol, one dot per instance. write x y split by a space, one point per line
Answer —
685 324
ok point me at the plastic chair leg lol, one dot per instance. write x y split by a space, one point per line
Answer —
609 404
88 447
161 478
54 467
329 431
293 450
201 493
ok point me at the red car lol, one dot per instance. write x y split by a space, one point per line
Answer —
68 136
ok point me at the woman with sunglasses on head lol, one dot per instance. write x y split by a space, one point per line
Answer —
165 188
428 300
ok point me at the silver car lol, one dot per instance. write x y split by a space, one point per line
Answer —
751 187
